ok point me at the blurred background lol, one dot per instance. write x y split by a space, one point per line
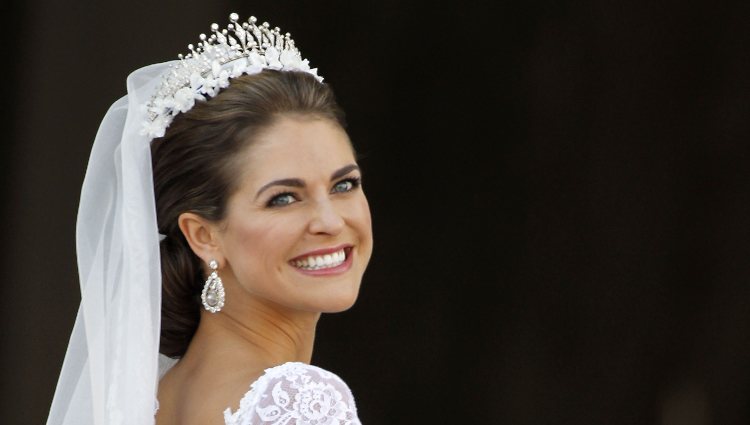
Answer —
560 193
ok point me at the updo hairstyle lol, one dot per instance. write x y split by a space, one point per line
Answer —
193 172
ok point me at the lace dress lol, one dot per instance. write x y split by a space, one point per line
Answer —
296 394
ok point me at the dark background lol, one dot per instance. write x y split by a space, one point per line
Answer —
560 194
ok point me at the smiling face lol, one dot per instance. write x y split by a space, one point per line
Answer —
297 232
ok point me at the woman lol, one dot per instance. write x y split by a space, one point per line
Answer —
222 201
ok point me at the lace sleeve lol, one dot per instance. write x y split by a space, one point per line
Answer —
296 394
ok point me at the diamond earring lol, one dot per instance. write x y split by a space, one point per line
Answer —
213 291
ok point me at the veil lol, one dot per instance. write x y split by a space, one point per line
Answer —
111 369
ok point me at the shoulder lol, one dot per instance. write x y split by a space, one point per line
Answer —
189 395
296 393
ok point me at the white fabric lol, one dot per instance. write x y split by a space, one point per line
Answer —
296 394
110 372
112 366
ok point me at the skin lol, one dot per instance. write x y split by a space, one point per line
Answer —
271 307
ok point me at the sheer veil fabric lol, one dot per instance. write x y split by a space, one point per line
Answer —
111 368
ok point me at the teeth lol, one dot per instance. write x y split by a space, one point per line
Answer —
317 262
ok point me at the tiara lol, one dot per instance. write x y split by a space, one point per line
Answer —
241 48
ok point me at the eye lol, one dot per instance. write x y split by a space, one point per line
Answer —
281 200
346 185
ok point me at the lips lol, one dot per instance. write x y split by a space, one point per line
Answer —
324 261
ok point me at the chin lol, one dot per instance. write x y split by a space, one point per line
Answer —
340 299
341 306
328 294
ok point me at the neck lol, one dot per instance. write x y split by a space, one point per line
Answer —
259 333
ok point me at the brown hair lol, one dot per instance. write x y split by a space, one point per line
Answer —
192 173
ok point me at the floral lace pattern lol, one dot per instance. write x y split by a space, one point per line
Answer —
296 394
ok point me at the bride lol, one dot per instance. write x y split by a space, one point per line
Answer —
222 212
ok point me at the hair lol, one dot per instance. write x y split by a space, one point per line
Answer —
193 172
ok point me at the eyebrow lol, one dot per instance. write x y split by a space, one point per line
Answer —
295 182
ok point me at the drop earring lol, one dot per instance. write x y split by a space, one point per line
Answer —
213 291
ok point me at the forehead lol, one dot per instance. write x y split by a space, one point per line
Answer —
302 147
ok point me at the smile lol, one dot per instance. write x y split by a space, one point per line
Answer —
334 260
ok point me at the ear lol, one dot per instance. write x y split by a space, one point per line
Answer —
202 236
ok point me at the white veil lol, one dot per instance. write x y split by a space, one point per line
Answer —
112 366
111 369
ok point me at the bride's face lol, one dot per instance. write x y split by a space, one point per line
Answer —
298 232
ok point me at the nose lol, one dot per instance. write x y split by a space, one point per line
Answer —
326 219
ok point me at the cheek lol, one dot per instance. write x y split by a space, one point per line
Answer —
361 219
366 215
263 240
247 248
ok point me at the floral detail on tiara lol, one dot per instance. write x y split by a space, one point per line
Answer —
241 48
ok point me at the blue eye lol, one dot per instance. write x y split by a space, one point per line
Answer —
282 199
346 185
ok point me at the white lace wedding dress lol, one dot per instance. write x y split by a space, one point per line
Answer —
296 394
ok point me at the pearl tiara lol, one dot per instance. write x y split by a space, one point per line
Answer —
241 48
